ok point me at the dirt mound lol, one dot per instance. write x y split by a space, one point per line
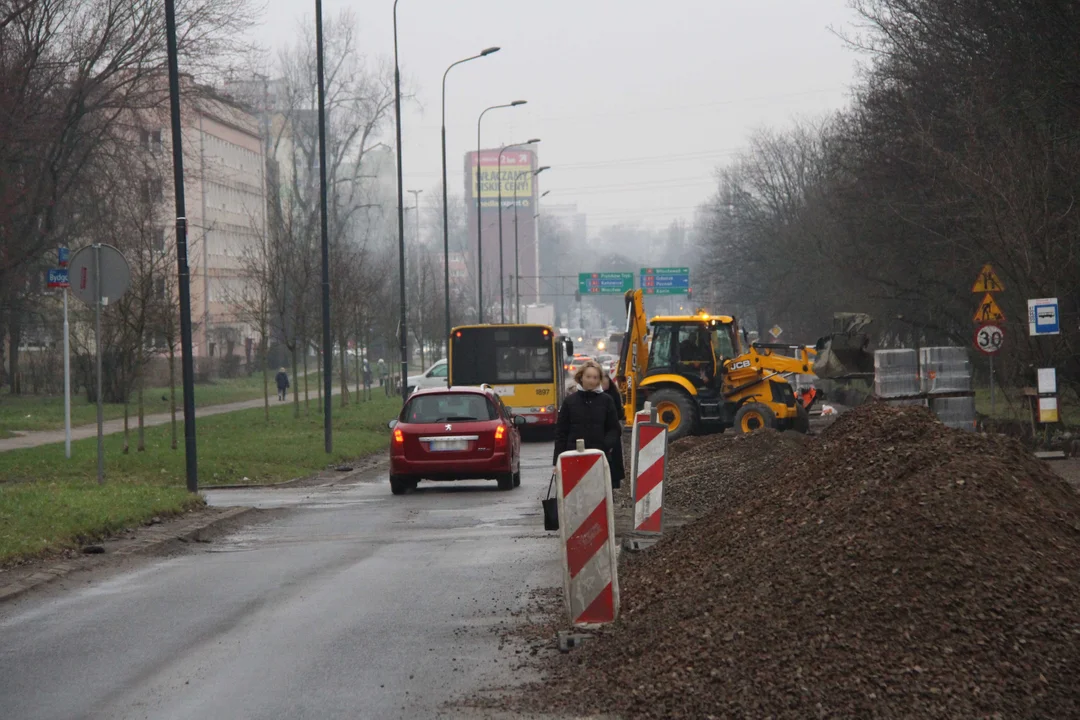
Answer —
717 469
704 471
892 568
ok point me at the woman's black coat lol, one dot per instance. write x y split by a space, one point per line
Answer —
592 417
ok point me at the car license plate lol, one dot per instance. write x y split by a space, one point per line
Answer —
449 445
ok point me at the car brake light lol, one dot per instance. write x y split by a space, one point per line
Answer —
500 435
399 437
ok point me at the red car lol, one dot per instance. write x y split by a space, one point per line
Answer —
458 433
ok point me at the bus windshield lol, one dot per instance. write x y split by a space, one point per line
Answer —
511 355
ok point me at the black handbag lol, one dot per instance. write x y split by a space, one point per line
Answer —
551 507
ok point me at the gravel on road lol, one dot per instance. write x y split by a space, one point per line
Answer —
891 567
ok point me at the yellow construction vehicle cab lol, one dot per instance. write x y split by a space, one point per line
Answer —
699 376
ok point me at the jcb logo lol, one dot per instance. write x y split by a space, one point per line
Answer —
740 365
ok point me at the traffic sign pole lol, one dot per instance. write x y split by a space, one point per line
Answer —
97 346
67 381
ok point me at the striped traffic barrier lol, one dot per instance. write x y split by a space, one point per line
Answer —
643 415
647 482
587 529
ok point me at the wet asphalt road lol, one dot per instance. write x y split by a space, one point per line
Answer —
354 604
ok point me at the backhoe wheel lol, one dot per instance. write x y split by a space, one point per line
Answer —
802 420
677 410
754 416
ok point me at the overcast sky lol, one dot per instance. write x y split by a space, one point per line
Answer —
637 101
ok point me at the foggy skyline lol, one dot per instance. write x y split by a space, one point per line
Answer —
636 107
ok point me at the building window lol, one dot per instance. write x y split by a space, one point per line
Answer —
152 191
159 288
159 238
151 140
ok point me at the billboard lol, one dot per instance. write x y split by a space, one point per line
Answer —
516 175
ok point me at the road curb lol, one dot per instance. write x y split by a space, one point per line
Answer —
186 532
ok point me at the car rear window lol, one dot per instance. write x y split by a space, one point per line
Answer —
448 407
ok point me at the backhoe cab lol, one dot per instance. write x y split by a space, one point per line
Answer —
701 378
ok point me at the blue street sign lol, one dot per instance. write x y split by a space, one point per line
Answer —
58 278
1044 317
62 256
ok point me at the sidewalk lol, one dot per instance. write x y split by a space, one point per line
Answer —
45 437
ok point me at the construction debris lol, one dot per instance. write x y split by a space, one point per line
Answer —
892 567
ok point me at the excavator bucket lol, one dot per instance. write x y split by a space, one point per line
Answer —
845 353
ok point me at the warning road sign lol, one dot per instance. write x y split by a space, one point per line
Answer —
988 281
989 338
988 311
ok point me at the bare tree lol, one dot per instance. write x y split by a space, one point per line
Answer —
71 73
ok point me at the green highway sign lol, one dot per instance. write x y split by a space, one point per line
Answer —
608 283
665 281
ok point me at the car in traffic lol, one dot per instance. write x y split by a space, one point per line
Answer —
608 361
434 377
458 433
576 362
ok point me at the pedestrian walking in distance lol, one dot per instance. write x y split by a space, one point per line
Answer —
380 368
590 414
282 380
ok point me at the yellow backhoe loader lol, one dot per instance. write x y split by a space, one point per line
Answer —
702 376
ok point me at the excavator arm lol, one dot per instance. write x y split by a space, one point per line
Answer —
633 353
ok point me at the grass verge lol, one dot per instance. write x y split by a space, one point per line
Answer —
1010 404
48 502
46 412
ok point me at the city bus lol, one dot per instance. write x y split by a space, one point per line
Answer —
522 363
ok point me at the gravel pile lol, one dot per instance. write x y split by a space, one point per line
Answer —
709 470
891 568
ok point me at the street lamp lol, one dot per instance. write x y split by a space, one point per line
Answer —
479 233
502 289
416 207
536 242
445 210
517 256
328 350
404 339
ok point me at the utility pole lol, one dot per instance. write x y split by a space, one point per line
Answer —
187 363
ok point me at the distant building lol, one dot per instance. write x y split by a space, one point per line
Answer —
226 209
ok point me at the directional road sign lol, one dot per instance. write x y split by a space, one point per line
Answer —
609 283
665 281
989 338
1043 317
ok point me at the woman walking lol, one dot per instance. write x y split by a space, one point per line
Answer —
590 414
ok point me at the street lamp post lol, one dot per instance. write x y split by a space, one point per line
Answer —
536 242
328 350
517 255
445 210
404 335
502 289
479 227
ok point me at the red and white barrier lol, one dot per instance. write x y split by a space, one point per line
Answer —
642 416
587 528
647 481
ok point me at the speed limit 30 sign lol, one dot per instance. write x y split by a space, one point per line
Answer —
988 339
